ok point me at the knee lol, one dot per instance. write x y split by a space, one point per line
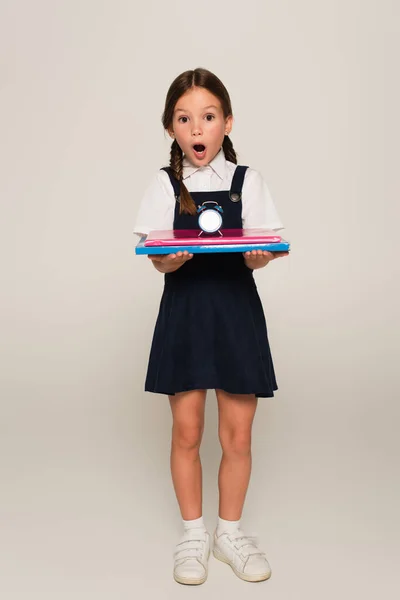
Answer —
187 437
236 443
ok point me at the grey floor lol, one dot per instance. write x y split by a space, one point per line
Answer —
88 511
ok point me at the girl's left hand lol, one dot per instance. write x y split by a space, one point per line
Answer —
256 259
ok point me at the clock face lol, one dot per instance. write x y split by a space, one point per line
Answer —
210 220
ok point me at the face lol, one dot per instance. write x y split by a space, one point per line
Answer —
199 125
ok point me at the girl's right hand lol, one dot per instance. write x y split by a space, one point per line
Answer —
167 263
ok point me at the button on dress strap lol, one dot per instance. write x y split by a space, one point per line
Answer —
235 193
174 182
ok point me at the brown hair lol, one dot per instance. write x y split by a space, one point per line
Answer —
184 82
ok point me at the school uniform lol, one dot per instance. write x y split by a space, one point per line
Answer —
211 331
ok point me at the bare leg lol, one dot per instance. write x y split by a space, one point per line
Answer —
187 431
236 415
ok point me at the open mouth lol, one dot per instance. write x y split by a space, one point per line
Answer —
199 150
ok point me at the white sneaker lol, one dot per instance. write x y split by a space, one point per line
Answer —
191 557
242 554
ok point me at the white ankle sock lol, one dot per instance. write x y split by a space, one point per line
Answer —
194 524
227 526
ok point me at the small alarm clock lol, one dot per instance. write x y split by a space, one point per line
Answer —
210 217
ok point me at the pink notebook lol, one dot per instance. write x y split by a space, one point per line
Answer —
182 237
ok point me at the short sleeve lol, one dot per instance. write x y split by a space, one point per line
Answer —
156 209
258 209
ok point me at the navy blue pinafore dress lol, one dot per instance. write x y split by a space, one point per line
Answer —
211 331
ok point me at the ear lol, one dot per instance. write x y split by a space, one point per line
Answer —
228 124
171 133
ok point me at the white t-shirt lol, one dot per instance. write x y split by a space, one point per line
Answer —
157 207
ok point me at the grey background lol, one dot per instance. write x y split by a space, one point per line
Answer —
87 507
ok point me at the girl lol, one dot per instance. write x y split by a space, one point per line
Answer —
211 331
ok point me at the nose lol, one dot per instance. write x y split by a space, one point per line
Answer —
196 129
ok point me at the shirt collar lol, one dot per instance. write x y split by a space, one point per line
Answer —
218 165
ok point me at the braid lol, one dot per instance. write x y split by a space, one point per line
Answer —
187 204
229 151
176 160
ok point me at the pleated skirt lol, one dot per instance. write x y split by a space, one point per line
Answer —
211 332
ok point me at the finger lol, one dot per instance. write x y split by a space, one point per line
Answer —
168 257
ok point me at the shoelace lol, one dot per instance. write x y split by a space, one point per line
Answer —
247 544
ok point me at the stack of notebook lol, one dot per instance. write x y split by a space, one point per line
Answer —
195 241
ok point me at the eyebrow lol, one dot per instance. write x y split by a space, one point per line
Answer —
205 108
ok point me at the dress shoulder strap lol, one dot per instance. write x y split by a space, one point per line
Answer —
235 193
174 182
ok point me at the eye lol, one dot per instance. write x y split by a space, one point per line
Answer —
183 119
210 117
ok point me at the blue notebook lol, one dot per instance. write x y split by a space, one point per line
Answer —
282 246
